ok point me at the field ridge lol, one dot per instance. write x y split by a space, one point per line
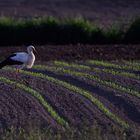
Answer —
37 96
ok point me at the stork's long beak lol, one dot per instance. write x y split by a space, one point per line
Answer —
36 52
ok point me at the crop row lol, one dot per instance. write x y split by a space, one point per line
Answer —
38 96
117 73
80 91
132 62
112 65
88 68
72 65
97 79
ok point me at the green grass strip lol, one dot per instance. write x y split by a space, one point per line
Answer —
72 65
80 91
117 73
84 67
96 78
133 63
112 65
87 68
39 97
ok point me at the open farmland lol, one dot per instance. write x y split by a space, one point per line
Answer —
75 95
85 83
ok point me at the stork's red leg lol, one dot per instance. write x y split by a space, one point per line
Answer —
17 73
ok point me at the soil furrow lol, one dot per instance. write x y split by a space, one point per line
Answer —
117 101
112 68
74 72
123 81
77 110
29 112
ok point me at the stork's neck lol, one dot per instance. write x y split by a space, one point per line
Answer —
30 52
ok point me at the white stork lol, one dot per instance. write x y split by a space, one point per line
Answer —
20 59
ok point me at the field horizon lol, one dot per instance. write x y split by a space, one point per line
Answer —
99 11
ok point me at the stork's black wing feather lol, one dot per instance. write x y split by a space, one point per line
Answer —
12 55
9 61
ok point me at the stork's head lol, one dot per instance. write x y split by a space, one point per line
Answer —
30 49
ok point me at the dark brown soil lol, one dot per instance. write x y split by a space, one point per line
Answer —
79 52
21 110
119 103
75 109
125 81
82 52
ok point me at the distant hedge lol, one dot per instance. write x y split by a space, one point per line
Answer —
50 30
133 33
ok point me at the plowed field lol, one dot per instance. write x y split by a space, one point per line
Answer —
73 94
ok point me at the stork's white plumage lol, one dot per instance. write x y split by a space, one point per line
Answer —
20 59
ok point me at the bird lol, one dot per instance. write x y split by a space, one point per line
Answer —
20 59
